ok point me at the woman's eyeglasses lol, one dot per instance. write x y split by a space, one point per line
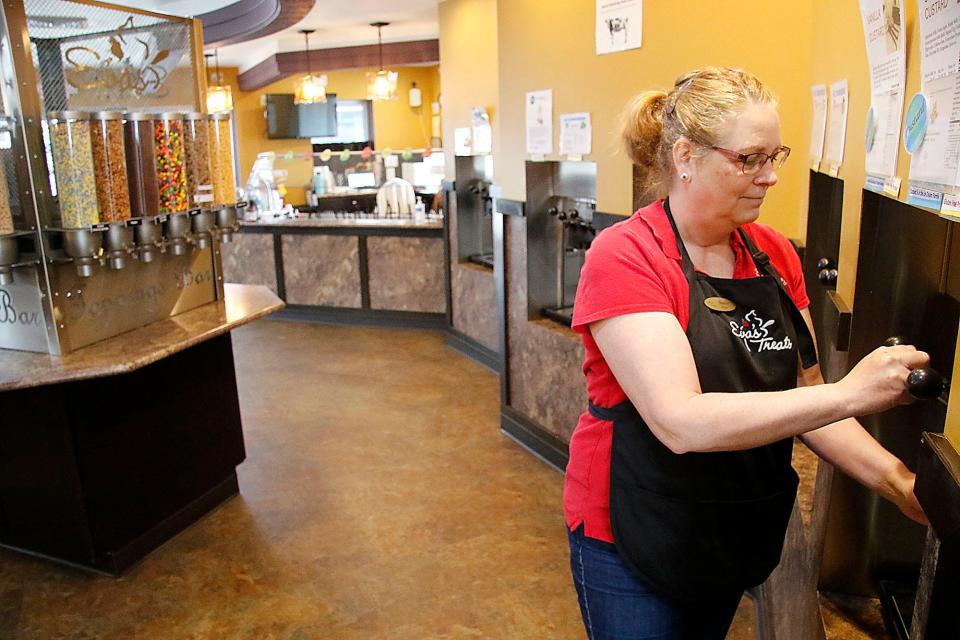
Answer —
751 163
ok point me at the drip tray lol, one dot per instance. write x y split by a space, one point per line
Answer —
485 259
562 315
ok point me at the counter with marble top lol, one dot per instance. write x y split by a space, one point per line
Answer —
116 447
353 269
135 349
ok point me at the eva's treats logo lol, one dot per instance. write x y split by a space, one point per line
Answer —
757 332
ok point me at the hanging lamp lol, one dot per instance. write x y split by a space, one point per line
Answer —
219 97
381 85
311 89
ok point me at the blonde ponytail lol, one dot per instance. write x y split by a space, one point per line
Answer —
699 105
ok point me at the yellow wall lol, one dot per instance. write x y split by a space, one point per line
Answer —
395 123
839 52
468 66
544 49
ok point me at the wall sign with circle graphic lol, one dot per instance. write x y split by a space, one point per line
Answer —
916 123
870 132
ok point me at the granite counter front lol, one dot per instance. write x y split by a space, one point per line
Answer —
113 449
357 269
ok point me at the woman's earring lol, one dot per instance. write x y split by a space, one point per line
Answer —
685 176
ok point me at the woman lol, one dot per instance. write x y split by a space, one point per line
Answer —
701 367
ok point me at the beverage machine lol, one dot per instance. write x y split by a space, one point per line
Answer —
116 188
561 203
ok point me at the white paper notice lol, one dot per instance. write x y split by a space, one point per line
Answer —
462 141
575 134
818 128
885 33
839 99
619 25
540 121
938 158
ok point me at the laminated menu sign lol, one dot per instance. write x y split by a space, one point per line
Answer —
539 112
937 159
884 30
482 131
818 128
839 99
575 134
619 25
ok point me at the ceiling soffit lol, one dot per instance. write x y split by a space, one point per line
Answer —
249 19
283 65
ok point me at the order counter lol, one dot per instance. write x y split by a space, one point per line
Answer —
359 268
114 448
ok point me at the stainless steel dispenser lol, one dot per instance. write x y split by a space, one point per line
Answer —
908 284
561 202
474 209
72 269
9 256
119 244
820 260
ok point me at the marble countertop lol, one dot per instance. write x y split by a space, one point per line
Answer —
135 349
328 222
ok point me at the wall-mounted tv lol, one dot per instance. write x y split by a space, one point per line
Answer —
288 120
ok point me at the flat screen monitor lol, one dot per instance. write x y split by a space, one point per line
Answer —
288 120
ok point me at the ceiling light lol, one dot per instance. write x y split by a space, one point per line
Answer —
381 85
312 88
219 96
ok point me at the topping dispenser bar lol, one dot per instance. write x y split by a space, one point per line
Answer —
112 209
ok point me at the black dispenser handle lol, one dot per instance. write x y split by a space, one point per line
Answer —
923 384
926 384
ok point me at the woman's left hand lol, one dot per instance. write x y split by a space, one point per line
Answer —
905 498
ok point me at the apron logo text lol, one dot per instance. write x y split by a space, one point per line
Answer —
753 330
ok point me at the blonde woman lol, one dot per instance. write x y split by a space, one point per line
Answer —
700 368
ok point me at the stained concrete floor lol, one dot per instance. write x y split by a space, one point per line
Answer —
378 500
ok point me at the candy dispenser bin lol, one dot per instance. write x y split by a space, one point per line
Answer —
196 151
73 164
95 233
141 161
110 166
224 181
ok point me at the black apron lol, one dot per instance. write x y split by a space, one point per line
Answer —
701 525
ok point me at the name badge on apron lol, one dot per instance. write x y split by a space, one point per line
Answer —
716 303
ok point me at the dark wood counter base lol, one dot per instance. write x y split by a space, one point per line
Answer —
473 349
97 473
362 317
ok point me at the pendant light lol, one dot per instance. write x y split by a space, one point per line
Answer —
311 89
219 97
381 85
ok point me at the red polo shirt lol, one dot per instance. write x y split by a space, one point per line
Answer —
635 267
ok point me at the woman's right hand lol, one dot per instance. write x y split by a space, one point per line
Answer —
879 381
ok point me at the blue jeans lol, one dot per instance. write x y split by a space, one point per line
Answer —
617 604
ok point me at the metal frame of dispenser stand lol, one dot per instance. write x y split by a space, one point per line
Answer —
62 289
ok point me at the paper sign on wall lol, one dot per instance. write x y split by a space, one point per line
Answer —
619 25
575 134
937 159
462 141
818 128
839 99
885 34
482 131
540 121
